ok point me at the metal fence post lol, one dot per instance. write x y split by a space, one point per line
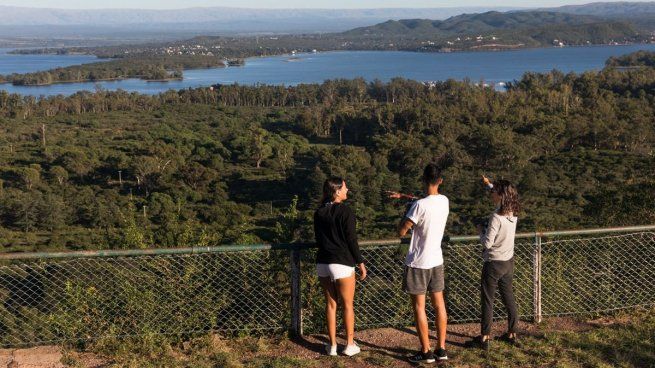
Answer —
296 305
536 276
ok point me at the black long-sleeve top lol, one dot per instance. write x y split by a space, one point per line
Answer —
336 236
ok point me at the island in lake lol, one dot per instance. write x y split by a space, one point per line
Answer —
466 32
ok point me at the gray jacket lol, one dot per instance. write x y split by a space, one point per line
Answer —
498 240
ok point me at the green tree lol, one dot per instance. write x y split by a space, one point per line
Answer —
29 176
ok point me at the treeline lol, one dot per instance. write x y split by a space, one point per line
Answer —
635 59
144 67
237 164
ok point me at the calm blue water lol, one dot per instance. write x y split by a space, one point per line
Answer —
492 67
33 63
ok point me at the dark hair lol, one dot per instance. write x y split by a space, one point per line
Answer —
509 197
330 187
431 174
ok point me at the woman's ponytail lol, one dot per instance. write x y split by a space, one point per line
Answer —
330 187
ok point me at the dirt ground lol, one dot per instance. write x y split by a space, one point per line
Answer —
41 356
392 346
380 347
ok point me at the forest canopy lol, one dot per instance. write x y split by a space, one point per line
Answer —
635 59
244 164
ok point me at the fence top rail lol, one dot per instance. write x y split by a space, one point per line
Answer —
255 247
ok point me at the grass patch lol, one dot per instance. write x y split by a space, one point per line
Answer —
629 341
379 360
281 362
625 340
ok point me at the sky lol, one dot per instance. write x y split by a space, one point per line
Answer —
329 4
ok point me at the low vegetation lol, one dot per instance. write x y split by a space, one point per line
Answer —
625 340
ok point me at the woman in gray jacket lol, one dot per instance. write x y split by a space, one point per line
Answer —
498 255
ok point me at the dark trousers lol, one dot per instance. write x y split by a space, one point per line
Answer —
498 274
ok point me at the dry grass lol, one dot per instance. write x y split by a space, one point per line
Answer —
623 340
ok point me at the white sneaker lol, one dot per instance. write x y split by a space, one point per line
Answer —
351 350
331 350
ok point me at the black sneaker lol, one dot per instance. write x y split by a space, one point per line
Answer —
477 342
440 354
421 357
510 340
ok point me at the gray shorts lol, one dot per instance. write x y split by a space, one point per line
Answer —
418 281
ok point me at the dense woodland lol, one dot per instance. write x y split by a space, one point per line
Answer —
635 59
238 164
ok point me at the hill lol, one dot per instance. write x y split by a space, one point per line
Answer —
471 24
641 15
502 30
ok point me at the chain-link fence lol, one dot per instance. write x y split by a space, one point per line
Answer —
380 301
240 290
597 274
47 301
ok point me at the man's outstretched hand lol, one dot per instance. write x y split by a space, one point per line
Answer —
398 195
393 195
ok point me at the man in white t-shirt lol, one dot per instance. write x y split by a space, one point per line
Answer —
424 270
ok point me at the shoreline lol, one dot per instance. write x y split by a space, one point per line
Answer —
69 82
454 51
139 84
296 58
164 80
476 48
117 79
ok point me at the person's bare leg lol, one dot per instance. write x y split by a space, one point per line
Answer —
442 319
346 290
421 319
330 308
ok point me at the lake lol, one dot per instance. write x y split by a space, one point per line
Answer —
33 63
492 67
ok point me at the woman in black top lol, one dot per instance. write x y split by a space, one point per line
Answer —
338 254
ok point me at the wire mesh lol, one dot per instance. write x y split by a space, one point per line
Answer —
249 292
380 301
598 274
91 298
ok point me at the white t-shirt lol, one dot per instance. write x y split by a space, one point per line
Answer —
429 216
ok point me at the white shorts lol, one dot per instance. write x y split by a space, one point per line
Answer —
334 271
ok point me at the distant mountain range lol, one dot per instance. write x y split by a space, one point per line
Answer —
224 19
484 31
609 9
139 25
